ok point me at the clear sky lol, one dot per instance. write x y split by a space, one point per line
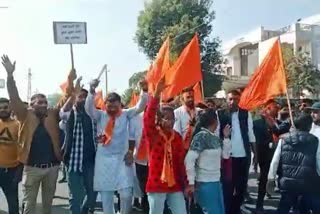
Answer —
26 35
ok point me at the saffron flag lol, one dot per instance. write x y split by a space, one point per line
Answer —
64 86
198 98
160 66
99 101
134 99
185 72
267 82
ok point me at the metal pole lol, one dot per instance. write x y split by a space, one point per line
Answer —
72 61
106 73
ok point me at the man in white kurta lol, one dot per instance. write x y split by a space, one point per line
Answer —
111 172
186 114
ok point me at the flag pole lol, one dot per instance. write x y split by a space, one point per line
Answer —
202 90
290 109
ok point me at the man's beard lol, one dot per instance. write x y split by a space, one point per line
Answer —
190 105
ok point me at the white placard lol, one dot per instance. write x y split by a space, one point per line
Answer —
70 32
2 83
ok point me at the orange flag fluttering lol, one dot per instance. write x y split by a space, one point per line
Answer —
99 101
160 66
64 86
197 93
134 99
185 72
267 82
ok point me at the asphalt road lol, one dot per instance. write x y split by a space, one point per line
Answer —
61 206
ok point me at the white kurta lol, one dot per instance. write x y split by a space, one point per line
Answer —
111 172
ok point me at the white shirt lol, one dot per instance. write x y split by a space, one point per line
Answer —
182 121
315 130
238 150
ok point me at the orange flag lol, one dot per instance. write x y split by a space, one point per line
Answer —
197 93
134 99
64 86
99 101
267 82
185 72
160 66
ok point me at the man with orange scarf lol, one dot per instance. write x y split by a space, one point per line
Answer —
185 117
114 157
166 155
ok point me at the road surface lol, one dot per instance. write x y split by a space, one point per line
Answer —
61 206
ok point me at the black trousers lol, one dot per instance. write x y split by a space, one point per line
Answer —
142 175
9 185
265 155
307 203
239 182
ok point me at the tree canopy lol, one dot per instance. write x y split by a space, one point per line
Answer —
180 20
301 72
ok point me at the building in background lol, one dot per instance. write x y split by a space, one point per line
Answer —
243 54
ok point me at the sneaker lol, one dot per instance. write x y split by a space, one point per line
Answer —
62 180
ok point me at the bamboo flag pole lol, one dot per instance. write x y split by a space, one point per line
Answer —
202 90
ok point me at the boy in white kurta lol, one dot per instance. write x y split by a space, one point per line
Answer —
112 171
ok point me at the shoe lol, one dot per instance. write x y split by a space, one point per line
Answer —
248 199
269 196
62 180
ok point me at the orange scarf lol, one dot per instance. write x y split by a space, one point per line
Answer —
167 174
108 131
188 137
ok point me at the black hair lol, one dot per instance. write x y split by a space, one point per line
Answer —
36 96
113 97
205 119
161 110
234 92
4 100
269 102
303 123
209 100
307 101
190 89
84 90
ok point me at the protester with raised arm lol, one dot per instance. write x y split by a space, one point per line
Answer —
79 152
39 138
114 158
10 168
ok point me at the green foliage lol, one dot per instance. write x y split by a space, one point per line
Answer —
126 96
301 72
135 79
180 20
53 99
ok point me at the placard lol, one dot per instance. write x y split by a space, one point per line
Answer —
70 32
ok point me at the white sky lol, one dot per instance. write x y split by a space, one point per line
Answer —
26 35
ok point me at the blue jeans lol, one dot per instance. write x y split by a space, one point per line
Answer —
82 197
9 186
209 196
175 201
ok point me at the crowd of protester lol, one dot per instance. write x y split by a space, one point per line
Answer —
157 157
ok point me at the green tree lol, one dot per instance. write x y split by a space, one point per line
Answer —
180 20
53 99
301 72
135 79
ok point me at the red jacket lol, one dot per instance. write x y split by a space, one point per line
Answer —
156 154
